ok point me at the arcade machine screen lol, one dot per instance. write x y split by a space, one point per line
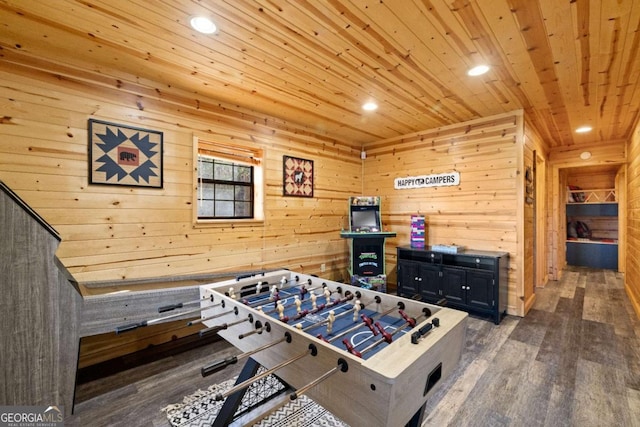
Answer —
365 219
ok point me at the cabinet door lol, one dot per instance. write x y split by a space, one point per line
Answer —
480 289
454 284
431 285
408 278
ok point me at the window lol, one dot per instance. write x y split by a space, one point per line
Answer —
225 189
228 179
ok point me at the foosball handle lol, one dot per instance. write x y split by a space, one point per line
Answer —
218 366
350 348
369 322
415 337
213 330
169 307
131 327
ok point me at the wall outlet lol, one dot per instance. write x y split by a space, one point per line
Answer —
323 267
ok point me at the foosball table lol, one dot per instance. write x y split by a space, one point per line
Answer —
370 358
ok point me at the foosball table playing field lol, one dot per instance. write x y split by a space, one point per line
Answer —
368 357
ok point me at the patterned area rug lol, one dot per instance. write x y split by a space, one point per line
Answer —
200 408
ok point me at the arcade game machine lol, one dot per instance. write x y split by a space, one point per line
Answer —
366 249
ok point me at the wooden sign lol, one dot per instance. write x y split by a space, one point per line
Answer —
436 180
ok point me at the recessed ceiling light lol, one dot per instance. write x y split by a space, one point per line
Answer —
370 106
203 25
585 155
478 70
584 129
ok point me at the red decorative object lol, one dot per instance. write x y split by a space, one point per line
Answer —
297 177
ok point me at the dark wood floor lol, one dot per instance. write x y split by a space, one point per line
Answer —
574 360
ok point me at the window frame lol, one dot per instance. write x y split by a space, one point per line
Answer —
229 153
216 182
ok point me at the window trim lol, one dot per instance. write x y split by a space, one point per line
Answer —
235 153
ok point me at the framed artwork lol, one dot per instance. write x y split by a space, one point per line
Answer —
297 177
124 155
529 187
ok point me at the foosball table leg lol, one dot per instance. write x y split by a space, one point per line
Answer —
416 420
232 403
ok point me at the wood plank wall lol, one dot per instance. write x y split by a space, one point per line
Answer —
632 276
480 213
114 233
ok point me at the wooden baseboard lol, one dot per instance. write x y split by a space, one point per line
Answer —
529 303
635 302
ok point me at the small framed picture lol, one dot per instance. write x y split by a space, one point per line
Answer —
124 155
297 178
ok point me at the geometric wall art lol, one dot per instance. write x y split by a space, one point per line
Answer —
297 177
124 155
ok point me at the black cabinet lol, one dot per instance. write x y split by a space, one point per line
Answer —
418 280
474 281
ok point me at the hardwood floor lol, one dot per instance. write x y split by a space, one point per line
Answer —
574 360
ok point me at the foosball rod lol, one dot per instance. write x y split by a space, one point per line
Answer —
388 337
266 300
399 306
215 316
312 350
321 307
268 287
342 367
338 316
259 328
218 328
269 299
132 326
219 365
170 307
273 310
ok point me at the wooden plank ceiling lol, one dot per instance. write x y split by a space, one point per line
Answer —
567 63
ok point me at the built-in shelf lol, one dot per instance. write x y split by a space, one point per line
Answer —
598 210
580 196
593 241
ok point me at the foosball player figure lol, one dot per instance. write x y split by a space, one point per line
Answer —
232 293
280 309
331 318
356 309
303 291
298 303
275 296
313 299
283 282
327 295
258 287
